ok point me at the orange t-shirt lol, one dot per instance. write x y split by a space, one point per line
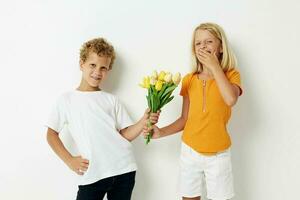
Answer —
205 129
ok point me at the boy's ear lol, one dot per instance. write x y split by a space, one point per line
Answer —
80 64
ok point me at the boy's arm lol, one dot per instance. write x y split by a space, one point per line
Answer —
131 132
77 164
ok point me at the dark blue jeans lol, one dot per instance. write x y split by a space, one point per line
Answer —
116 187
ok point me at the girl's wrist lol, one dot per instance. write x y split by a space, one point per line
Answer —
162 132
215 69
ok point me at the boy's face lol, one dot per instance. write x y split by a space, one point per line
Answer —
94 70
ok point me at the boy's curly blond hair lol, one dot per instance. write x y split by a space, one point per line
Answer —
99 46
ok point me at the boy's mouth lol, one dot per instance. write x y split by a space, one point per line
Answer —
96 78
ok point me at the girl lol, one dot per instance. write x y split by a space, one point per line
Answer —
208 94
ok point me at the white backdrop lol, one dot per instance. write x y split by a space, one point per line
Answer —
39 45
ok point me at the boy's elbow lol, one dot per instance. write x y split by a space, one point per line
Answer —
51 134
129 139
125 135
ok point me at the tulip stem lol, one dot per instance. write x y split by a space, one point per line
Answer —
148 137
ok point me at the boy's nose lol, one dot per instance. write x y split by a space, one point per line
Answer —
98 73
98 70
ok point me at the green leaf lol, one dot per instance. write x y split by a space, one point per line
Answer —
169 90
164 100
148 101
156 102
152 103
162 90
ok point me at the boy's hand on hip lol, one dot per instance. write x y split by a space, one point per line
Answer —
78 164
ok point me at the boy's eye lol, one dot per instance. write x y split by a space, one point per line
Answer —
198 43
104 69
92 65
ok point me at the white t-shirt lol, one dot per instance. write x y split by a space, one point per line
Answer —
94 119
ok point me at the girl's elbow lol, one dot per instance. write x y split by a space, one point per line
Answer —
183 122
231 102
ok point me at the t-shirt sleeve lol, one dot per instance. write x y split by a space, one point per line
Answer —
123 119
56 118
185 85
235 78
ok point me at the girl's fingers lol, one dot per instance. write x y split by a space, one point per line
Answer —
202 55
204 52
147 129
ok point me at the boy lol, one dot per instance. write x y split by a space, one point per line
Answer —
100 127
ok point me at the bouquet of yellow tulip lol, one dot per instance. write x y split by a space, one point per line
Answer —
160 87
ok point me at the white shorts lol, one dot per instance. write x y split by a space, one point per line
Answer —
216 170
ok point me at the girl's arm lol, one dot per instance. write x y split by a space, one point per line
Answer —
230 92
77 164
176 126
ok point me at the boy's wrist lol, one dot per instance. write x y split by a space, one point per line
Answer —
68 159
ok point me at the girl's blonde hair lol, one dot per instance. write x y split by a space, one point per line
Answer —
227 60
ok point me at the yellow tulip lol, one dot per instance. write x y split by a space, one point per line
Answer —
168 77
161 75
158 85
154 74
147 81
176 78
153 80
